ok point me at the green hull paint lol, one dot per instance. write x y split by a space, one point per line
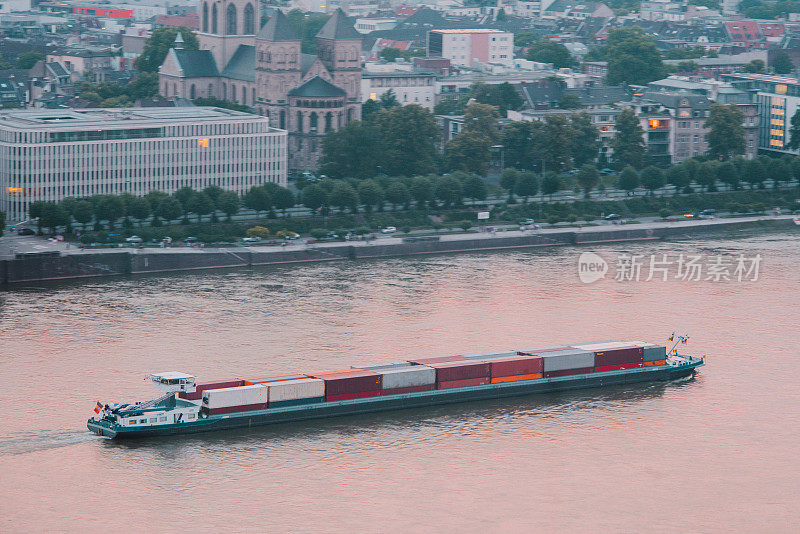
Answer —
320 410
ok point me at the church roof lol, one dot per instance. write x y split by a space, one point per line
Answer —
278 28
242 65
196 63
317 87
306 62
338 27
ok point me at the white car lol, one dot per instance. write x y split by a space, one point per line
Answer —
388 230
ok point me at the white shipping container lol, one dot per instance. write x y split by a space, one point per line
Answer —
407 377
599 347
567 359
376 366
239 396
304 388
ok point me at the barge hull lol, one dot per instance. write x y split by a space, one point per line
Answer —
403 401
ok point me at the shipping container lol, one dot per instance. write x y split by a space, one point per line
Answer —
449 371
618 367
492 355
515 378
406 377
655 363
463 383
237 396
516 365
302 388
654 353
546 349
198 394
442 359
296 402
568 372
232 409
567 359
606 345
618 356
349 381
382 366
348 396
273 378
414 389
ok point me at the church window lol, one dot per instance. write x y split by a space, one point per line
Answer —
313 123
210 90
233 92
214 18
300 122
192 92
328 121
249 20
205 16
230 16
253 96
283 120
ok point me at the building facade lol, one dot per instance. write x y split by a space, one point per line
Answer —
53 154
467 47
408 87
305 94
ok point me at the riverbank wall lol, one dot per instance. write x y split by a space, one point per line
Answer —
40 267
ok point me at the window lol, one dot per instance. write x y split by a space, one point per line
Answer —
162 419
143 420
154 419
696 138
230 16
132 422
696 125
249 20
191 416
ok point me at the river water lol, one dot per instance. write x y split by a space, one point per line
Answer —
713 453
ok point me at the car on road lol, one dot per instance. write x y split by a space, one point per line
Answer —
191 240
251 239
26 231
707 214
527 222
134 239
613 217
388 230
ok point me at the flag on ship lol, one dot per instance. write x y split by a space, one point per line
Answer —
98 407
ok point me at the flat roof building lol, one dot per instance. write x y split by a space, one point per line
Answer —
53 154
467 47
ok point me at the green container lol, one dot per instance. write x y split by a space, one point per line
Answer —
295 402
653 353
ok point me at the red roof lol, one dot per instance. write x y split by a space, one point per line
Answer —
191 21
406 11
381 43
771 29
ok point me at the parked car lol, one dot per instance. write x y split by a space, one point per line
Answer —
388 230
251 239
527 222
134 239
613 217
191 240
707 214
26 231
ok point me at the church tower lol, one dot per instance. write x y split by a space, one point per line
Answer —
226 24
339 49
277 68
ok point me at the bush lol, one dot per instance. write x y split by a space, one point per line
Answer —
361 230
318 233
258 231
664 213
465 225
572 218
553 219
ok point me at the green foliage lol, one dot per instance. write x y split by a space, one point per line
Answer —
632 57
218 103
652 178
726 133
527 185
169 209
551 184
258 199
760 9
201 204
782 63
468 151
547 51
158 44
794 132
628 142
307 26
588 177
628 179
314 197
474 187
113 95
448 190
465 225
755 66
421 190
344 196
258 231
371 194
685 53
26 60
52 216
503 96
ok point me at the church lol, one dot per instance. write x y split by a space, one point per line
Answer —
307 95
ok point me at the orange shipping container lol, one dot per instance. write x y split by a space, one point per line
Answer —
655 363
533 376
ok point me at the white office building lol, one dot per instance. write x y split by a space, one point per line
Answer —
53 154
468 47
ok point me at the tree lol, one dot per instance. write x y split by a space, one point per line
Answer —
755 66
628 179
726 133
83 212
184 196
139 209
688 66
344 196
422 190
728 174
307 25
632 57
588 178
527 185
551 184
371 194
158 44
707 175
109 208
228 202
547 51
465 225
53 216
474 187
755 172
628 142
35 209
519 140
559 135
468 151
677 176
283 199
397 194
794 132
508 179
2 222
369 109
257 199
27 60
169 209
652 178
448 190
503 96
314 197
389 99
201 205
482 120
338 159
213 192
782 63
409 137
585 139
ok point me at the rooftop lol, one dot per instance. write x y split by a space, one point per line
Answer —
475 30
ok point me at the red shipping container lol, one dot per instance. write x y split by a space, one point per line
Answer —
449 371
568 372
412 389
349 381
198 394
231 409
618 356
618 367
463 383
521 365
347 396
441 359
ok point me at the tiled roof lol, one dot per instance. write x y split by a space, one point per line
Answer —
278 28
338 27
242 65
196 63
317 87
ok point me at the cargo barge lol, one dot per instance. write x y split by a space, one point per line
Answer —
188 407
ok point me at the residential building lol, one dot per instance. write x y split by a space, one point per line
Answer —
470 46
52 154
367 25
689 114
408 87
12 6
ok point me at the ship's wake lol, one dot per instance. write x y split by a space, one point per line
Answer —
40 440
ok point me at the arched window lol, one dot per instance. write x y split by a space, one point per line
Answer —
233 92
349 114
328 121
230 17
192 92
249 20
313 123
283 120
174 89
214 18
253 96
299 122
205 17
210 90
224 91
244 96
